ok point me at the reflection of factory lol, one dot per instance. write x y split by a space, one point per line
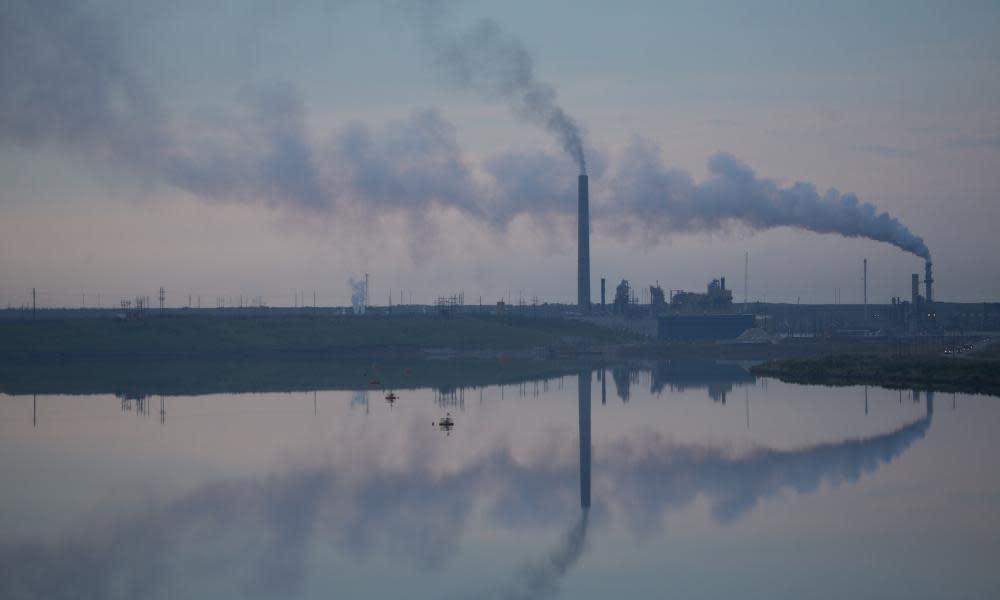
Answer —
718 378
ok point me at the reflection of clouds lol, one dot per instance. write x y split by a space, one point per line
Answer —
661 475
266 526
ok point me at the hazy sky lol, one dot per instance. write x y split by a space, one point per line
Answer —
264 148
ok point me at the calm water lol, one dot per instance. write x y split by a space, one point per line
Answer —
694 484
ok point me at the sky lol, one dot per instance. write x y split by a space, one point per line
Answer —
266 149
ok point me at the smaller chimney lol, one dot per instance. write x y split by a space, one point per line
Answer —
602 292
928 282
723 281
915 290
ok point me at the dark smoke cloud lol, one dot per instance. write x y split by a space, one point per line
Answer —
258 153
409 165
413 511
492 62
664 200
64 80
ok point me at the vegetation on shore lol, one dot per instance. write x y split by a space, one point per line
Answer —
219 336
910 372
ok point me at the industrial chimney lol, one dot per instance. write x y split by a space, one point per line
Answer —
928 282
583 247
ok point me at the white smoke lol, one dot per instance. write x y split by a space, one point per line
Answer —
657 200
359 295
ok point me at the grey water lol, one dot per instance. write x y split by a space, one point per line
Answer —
652 482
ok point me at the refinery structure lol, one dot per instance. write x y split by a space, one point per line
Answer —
650 310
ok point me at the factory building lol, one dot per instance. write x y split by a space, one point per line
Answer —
922 307
715 299
702 327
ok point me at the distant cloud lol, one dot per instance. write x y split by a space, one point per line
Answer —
988 140
723 123
887 151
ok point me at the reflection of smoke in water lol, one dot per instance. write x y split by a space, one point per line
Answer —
541 579
359 398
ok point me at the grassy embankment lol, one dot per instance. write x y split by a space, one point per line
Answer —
234 336
976 375
213 354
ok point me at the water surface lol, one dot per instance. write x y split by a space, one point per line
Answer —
677 480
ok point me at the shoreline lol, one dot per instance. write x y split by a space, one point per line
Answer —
932 373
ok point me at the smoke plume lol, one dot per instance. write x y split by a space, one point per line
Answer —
359 291
659 200
490 61
65 80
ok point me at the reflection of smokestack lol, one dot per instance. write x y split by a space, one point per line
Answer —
604 387
584 398
583 246
928 282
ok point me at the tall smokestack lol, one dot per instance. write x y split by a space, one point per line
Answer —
928 282
583 247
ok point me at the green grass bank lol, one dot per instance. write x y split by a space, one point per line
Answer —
345 336
909 372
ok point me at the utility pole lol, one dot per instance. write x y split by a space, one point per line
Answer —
162 297
33 311
366 291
